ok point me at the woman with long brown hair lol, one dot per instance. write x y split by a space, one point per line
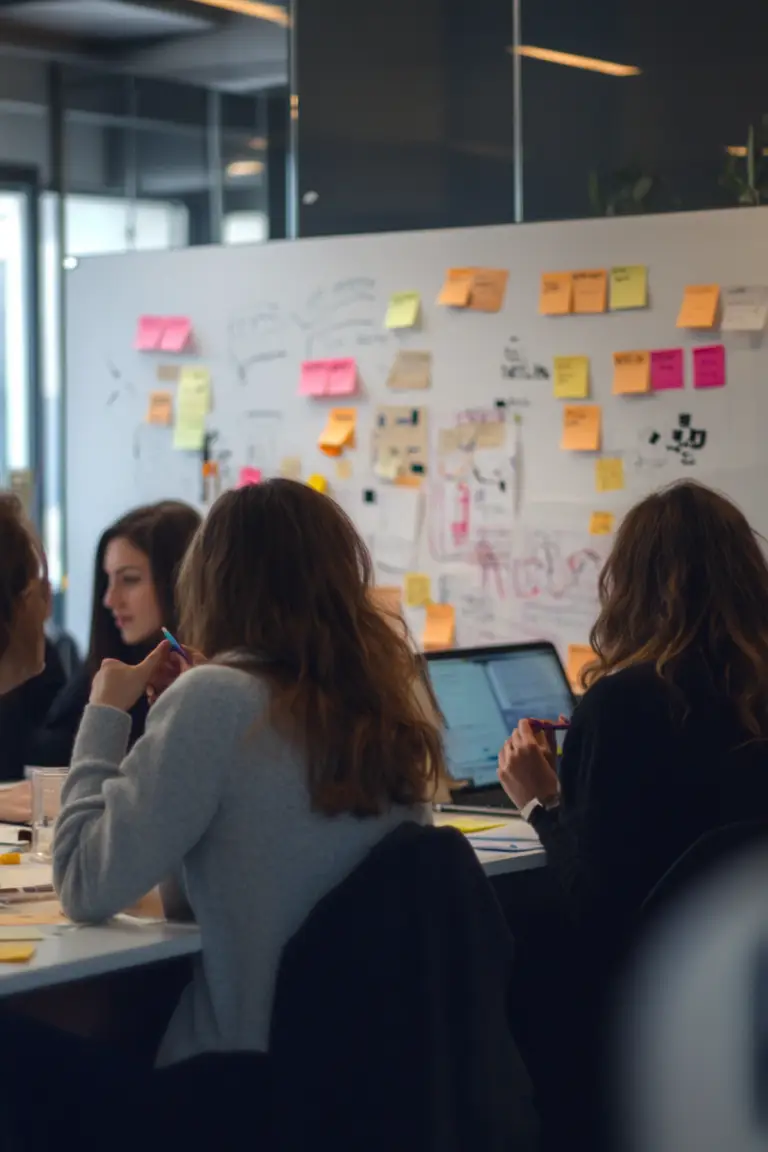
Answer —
265 774
671 737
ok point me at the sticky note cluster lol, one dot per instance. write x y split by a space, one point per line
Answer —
479 289
328 377
163 334
593 290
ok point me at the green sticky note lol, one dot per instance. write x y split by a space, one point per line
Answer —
403 310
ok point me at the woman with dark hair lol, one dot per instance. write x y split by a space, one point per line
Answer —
670 740
137 562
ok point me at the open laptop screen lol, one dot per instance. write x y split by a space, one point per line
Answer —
483 694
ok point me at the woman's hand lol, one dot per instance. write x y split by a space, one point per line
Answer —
170 670
119 685
527 765
16 803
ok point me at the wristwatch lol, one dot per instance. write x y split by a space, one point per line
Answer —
530 810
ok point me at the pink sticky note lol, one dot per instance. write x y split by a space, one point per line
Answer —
314 378
176 333
709 366
248 476
667 369
342 377
149 333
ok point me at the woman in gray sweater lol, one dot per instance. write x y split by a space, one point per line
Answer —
265 774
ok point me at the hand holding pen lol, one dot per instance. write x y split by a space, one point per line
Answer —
179 659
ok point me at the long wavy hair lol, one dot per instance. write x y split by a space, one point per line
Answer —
278 581
687 578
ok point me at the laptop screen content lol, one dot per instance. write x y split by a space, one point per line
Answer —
483 696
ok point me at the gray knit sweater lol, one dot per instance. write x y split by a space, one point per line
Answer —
214 795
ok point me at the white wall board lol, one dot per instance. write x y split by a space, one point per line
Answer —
528 566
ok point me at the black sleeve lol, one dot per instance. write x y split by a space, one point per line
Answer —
23 711
50 745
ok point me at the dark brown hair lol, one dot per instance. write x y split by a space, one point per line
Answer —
278 574
21 562
162 532
686 578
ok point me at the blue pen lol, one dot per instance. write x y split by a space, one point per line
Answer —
176 646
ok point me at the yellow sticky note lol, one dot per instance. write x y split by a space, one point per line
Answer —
193 403
609 474
581 428
628 287
571 380
339 432
602 523
456 289
631 373
556 294
579 655
590 291
699 307
418 589
16 953
403 310
160 410
439 627
470 824
318 482
343 469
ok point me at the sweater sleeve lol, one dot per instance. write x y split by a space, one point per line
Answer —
127 823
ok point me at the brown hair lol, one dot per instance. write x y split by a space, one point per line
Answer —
278 574
686 578
162 532
21 563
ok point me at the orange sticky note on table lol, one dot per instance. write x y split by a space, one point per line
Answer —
439 627
556 294
339 432
590 291
160 410
581 428
699 307
579 655
487 289
631 373
456 289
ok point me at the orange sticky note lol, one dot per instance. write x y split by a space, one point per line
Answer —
699 307
579 655
590 291
556 295
631 373
439 627
581 428
601 523
16 953
339 432
456 289
160 410
487 289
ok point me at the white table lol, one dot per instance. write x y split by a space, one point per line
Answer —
69 953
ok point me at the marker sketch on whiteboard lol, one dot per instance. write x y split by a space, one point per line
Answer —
256 340
336 319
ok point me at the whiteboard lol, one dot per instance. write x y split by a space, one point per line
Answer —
259 311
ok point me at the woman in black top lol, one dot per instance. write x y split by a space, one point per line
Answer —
671 738
137 560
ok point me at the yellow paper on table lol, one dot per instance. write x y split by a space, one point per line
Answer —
631 373
318 482
160 410
469 824
16 953
439 627
628 287
487 289
571 380
579 655
418 589
403 310
339 432
456 289
609 474
556 294
193 403
602 523
699 307
590 291
581 428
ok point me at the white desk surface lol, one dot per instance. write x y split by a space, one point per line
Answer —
74 953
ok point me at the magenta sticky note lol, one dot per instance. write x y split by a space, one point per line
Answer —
709 366
314 378
667 369
149 333
248 476
342 377
176 334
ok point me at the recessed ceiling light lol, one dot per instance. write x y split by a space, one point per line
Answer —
570 61
245 168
